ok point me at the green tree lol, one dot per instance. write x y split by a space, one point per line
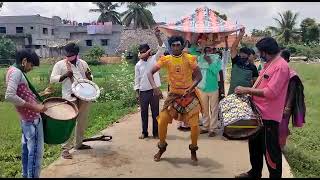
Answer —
108 12
93 55
7 48
309 30
138 13
257 32
285 30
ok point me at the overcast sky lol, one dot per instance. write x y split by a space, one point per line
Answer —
250 14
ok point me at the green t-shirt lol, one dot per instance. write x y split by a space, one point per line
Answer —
209 82
259 67
193 50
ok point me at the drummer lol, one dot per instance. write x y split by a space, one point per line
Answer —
20 93
269 97
66 72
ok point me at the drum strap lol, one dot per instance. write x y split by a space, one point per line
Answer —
260 76
100 138
29 84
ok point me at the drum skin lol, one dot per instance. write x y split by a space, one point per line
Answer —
85 90
58 131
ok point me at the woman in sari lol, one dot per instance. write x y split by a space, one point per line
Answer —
295 105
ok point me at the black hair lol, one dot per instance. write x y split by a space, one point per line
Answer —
268 45
144 46
176 38
30 55
72 48
220 54
166 53
245 50
205 49
252 51
285 54
187 44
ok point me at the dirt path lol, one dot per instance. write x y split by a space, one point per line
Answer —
128 156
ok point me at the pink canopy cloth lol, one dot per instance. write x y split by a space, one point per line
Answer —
204 20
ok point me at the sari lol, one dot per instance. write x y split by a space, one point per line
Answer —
295 101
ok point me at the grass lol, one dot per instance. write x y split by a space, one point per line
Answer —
302 151
102 114
303 147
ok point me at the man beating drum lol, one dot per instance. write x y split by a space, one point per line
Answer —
66 72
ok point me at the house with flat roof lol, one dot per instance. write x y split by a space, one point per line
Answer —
47 36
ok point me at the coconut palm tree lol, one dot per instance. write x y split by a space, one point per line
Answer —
138 13
286 31
108 12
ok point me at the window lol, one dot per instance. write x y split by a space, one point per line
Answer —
52 31
45 30
19 29
3 30
31 27
89 42
104 42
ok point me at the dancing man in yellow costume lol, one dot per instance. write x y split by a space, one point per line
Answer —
183 102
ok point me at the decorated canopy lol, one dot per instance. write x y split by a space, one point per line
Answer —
204 20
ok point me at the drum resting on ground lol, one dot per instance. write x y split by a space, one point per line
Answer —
59 120
239 116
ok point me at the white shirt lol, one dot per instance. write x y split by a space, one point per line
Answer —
60 68
142 68
225 60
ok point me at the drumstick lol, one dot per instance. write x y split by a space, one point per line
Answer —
77 80
57 104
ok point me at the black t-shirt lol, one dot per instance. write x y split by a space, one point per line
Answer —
245 65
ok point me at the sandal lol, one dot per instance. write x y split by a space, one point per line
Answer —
66 155
83 146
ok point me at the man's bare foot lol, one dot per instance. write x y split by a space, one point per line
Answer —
143 136
157 156
224 138
194 156
193 149
66 155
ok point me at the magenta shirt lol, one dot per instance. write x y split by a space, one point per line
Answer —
275 85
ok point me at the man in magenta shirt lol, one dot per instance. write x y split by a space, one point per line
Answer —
269 97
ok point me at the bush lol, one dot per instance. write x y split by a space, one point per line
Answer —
93 63
310 51
93 55
7 48
132 54
119 86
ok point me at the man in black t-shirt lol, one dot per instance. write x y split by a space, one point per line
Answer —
243 73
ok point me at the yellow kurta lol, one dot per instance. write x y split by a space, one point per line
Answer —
180 71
